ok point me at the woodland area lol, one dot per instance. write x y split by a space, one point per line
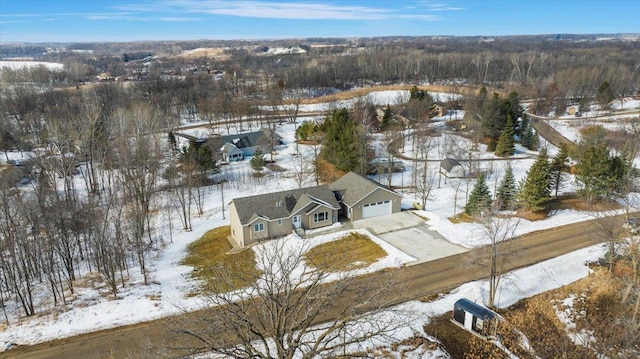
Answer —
106 173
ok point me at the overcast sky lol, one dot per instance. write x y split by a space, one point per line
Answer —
119 20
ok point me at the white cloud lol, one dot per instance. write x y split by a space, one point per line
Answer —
114 16
431 6
291 10
179 19
280 10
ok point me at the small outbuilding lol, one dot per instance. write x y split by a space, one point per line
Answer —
475 318
452 168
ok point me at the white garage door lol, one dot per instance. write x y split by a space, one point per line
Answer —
376 209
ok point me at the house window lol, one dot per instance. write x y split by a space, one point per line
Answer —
279 222
259 227
320 217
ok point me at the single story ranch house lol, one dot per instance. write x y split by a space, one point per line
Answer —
276 214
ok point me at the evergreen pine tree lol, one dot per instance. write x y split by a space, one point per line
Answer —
530 139
534 190
506 192
480 197
258 161
342 144
506 144
172 140
205 159
534 144
386 118
492 145
592 171
557 167
604 94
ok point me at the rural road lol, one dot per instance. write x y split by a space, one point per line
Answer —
137 341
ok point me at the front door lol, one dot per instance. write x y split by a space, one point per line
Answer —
297 221
468 320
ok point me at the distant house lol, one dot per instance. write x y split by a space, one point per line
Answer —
231 153
105 76
239 146
270 215
452 168
475 318
437 109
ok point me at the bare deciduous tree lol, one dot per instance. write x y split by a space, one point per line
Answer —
291 310
499 232
139 154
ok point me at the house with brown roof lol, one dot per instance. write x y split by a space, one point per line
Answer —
270 215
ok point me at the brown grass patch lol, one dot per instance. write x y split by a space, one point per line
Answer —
456 341
578 204
569 201
597 308
346 95
327 172
213 263
350 252
462 217
532 216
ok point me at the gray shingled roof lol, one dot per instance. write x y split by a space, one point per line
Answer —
449 163
228 147
241 140
282 204
352 187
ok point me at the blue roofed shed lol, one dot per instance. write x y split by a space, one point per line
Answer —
474 318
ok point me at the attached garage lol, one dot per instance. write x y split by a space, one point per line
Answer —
376 209
361 198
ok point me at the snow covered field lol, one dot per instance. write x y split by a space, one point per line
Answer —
16 65
91 309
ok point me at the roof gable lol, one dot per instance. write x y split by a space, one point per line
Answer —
351 188
449 163
229 148
283 204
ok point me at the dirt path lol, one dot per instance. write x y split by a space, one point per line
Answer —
549 133
417 282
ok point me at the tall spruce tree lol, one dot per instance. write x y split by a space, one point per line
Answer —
604 94
257 162
506 144
480 198
530 139
534 191
386 118
342 144
557 167
506 192
599 174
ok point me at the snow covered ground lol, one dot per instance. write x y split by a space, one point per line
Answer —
16 65
92 309
378 98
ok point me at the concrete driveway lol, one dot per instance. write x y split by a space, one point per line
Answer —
410 234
